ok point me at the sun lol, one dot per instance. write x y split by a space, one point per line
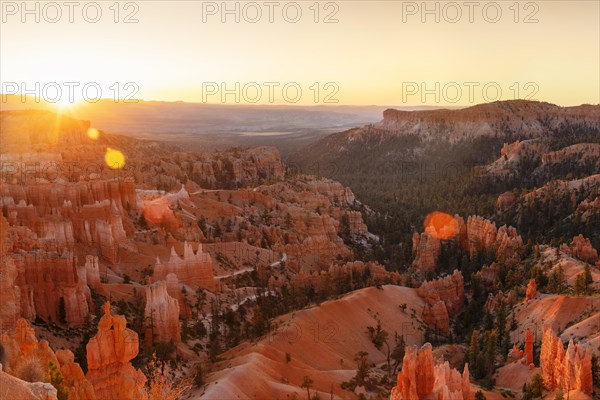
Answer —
64 104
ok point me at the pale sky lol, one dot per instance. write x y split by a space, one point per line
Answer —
378 52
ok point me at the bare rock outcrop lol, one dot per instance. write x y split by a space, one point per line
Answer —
109 354
581 248
193 269
476 235
569 369
52 281
531 291
444 298
79 387
528 349
162 314
421 378
14 388
23 347
10 295
427 250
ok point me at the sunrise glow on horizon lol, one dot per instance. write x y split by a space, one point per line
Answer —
357 53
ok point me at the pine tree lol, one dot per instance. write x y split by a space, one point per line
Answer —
62 311
474 350
479 395
55 377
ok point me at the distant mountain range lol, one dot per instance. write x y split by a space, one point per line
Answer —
214 126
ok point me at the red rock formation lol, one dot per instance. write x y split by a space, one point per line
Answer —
420 378
475 236
108 356
356 224
505 201
426 250
22 346
444 297
193 269
10 295
481 235
90 273
570 369
449 289
87 212
531 290
581 248
48 277
162 315
79 387
489 274
500 298
436 316
528 350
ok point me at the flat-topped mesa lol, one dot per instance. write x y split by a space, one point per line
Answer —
108 356
162 315
569 369
524 117
193 269
581 248
421 378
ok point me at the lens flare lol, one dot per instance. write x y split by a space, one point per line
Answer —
93 133
440 225
114 158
